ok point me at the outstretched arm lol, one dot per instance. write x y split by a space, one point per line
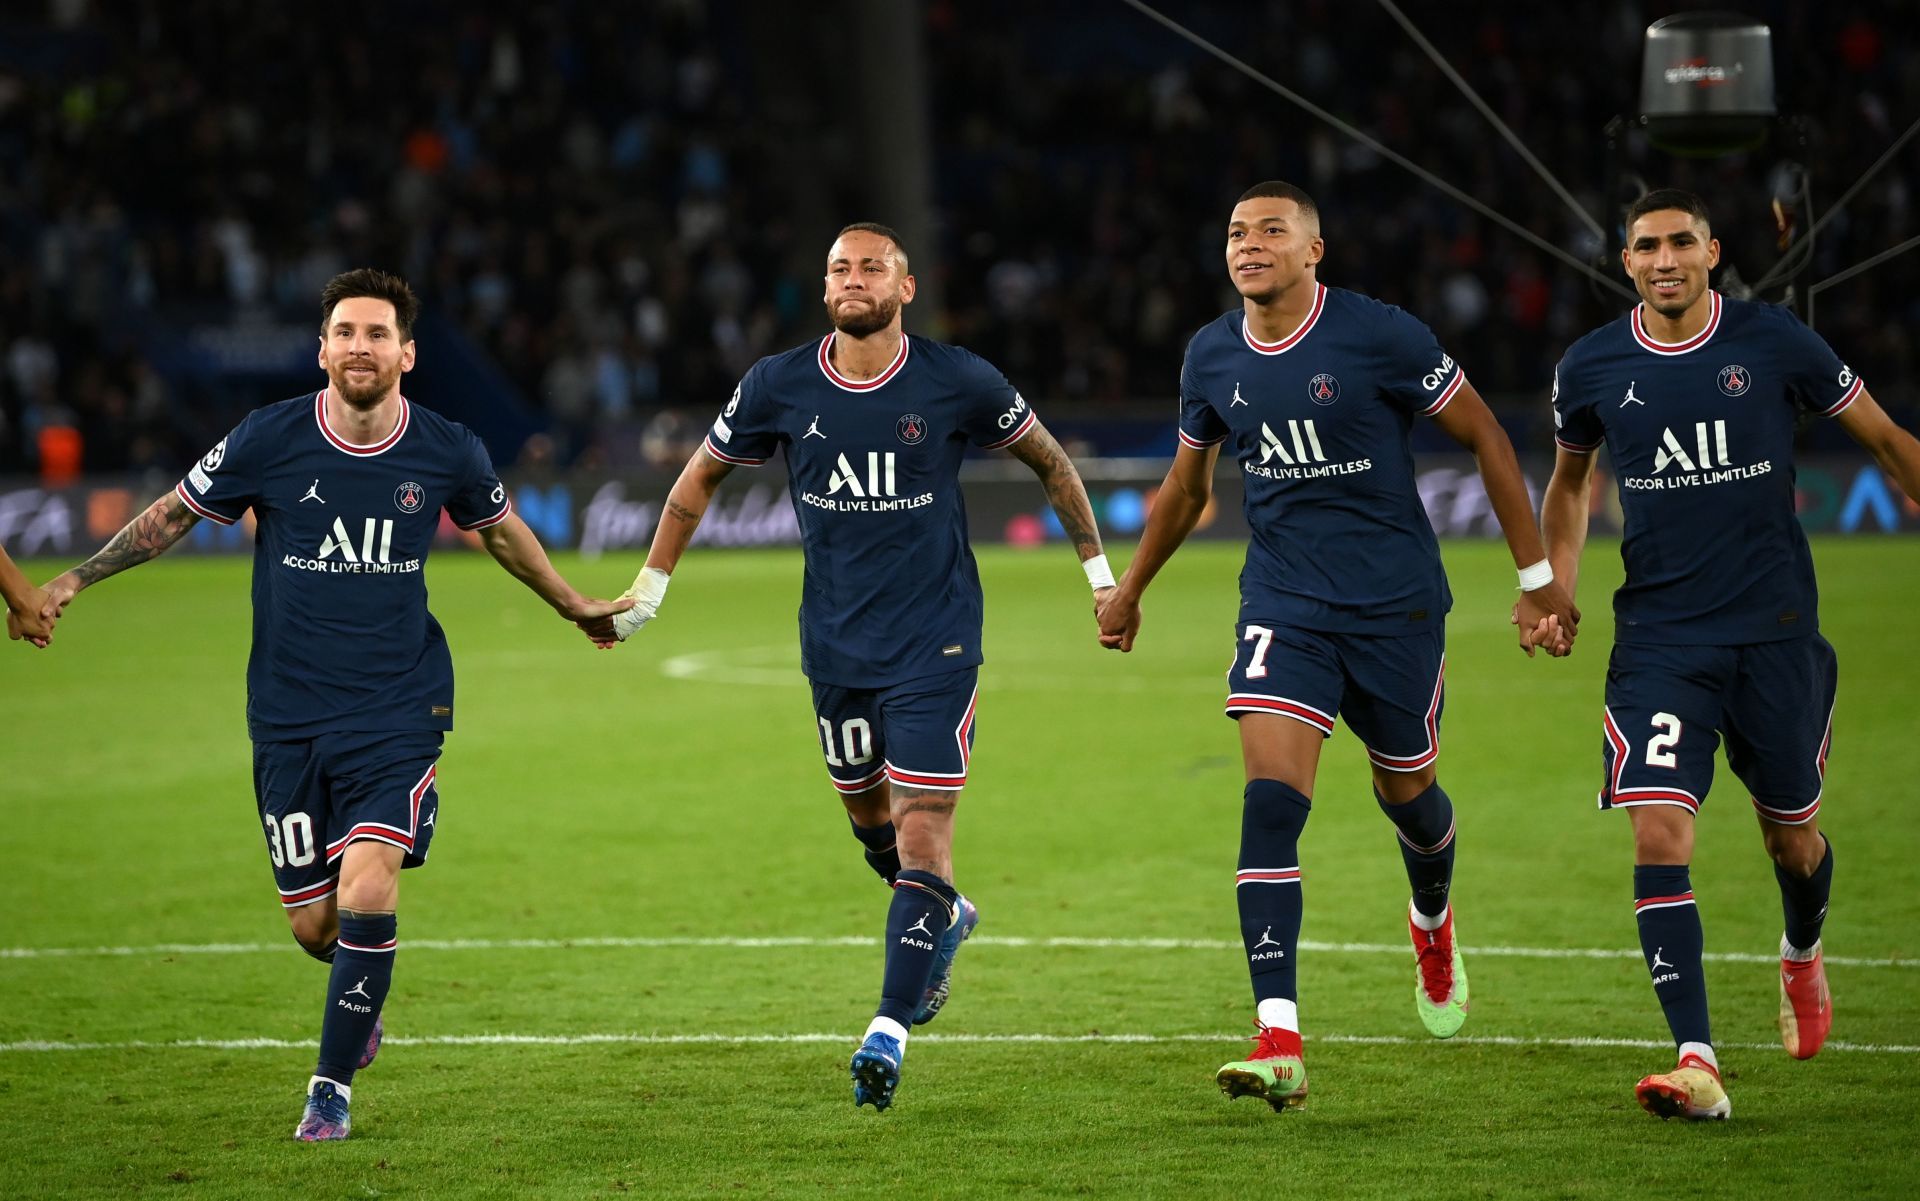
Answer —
515 548
1177 508
686 504
164 523
1470 423
1068 496
1897 451
24 603
1564 508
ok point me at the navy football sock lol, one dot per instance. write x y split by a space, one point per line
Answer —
923 905
1267 886
362 970
1805 900
882 848
1426 846
1671 939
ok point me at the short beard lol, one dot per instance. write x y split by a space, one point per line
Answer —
364 398
868 321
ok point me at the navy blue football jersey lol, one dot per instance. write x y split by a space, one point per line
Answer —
1701 438
1320 423
342 640
891 591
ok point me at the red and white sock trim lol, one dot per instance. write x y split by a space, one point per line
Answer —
1435 849
384 948
1672 902
1266 875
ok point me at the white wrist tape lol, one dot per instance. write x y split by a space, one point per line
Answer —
1098 573
1537 576
649 589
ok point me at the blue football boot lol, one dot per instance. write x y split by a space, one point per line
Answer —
326 1117
876 1070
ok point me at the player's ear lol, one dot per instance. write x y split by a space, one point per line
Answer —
406 356
906 289
1713 253
320 356
1316 250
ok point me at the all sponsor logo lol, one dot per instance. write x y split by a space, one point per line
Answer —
1306 444
912 429
1734 380
879 478
408 497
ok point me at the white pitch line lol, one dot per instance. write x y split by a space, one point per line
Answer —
1146 944
848 1039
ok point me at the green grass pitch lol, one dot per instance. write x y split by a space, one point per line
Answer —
667 800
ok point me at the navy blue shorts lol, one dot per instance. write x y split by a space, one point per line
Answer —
1669 706
918 733
316 795
1389 689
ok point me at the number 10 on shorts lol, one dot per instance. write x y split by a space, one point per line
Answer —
856 742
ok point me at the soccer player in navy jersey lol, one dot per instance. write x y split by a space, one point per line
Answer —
350 684
1343 599
1717 631
874 424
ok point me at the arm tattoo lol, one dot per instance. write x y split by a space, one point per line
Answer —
681 511
1042 452
164 523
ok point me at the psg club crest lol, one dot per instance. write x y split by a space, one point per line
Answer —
1323 389
409 497
912 429
1734 379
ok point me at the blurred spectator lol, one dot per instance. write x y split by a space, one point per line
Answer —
622 206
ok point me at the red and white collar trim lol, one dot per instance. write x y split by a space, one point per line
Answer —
860 385
354 448
1648 342
1293 339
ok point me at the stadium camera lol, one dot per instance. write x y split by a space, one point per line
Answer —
1706 83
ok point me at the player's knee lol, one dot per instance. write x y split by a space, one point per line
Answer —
1798 849
1401 787
315 928
874 807
1275 807
1662 834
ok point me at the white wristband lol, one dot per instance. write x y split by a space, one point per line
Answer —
1537 576
649 589
1098 573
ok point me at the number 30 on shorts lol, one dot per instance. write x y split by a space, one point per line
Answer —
289 839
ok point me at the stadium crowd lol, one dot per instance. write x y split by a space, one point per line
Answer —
583 191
